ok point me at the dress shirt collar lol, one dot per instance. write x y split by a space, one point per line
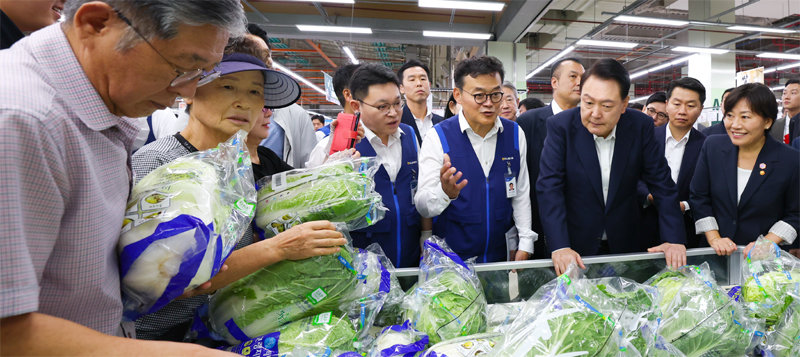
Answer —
669 135
464 125
612 136
555 107
371 136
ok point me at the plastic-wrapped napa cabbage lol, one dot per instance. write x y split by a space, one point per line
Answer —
340 191
448 301
182 221
771 276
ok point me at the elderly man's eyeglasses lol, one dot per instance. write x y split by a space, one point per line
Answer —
480 98
182 78
660 115
384 108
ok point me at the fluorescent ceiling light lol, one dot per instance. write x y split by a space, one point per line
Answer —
342 29
448 34
778 55
550 61
329 1
660 67
650 21
778 88
713 51
770 70
463 5
634 100
793 65
350 54
615 44
760 29
639 74
298 77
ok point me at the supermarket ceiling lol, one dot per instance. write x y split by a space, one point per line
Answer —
397 32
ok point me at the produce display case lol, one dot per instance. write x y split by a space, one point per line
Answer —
499 284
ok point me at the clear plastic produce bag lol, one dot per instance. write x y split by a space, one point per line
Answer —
182 221
281 293
339 191
325 331
448 301
399 341
699 318
573 316
770 276
784 339
480 345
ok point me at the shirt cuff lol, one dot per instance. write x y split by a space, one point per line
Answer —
706 224
441 196
526 242
559 249
686 205
785 231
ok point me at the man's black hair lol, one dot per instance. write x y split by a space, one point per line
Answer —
637 106
476 66
689 83
341 80
657 97
554 68
254 29
792 81
411 64
318 117
723 95
368 75
610 69
760 98
530 103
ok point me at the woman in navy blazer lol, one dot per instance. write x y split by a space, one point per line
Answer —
755 178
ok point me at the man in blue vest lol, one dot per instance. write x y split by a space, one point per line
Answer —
375 93
477 205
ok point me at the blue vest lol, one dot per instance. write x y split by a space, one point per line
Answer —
475 224
398 232
326 130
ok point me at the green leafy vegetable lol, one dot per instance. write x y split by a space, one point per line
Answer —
698 318
284 292
784 340
338 192
320 332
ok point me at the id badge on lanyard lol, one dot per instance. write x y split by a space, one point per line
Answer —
413 184
510 181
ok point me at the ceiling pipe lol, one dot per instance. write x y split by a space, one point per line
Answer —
319 50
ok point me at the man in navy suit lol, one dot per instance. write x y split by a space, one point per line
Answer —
565 78
718 128
680 143
415 85
591 163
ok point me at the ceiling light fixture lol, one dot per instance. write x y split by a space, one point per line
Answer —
465 35
615 44
550 61
660 67
778 88
339 29
462 5
634 100
713 51
778 55
760 29
350 54
793 65
650 21
298 77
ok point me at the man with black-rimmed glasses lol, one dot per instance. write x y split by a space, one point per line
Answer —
471 174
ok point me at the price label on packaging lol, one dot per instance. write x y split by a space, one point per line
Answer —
323 318
316 296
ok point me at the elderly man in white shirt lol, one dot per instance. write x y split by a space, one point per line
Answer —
492 195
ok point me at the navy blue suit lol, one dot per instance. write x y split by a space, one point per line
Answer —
716 129
766 199
408 119
570 192
534 124
649 227
398 232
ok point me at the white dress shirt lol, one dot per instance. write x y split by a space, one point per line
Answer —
673 151
431 199
424 124
605 154
390 156
555 107
742 176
